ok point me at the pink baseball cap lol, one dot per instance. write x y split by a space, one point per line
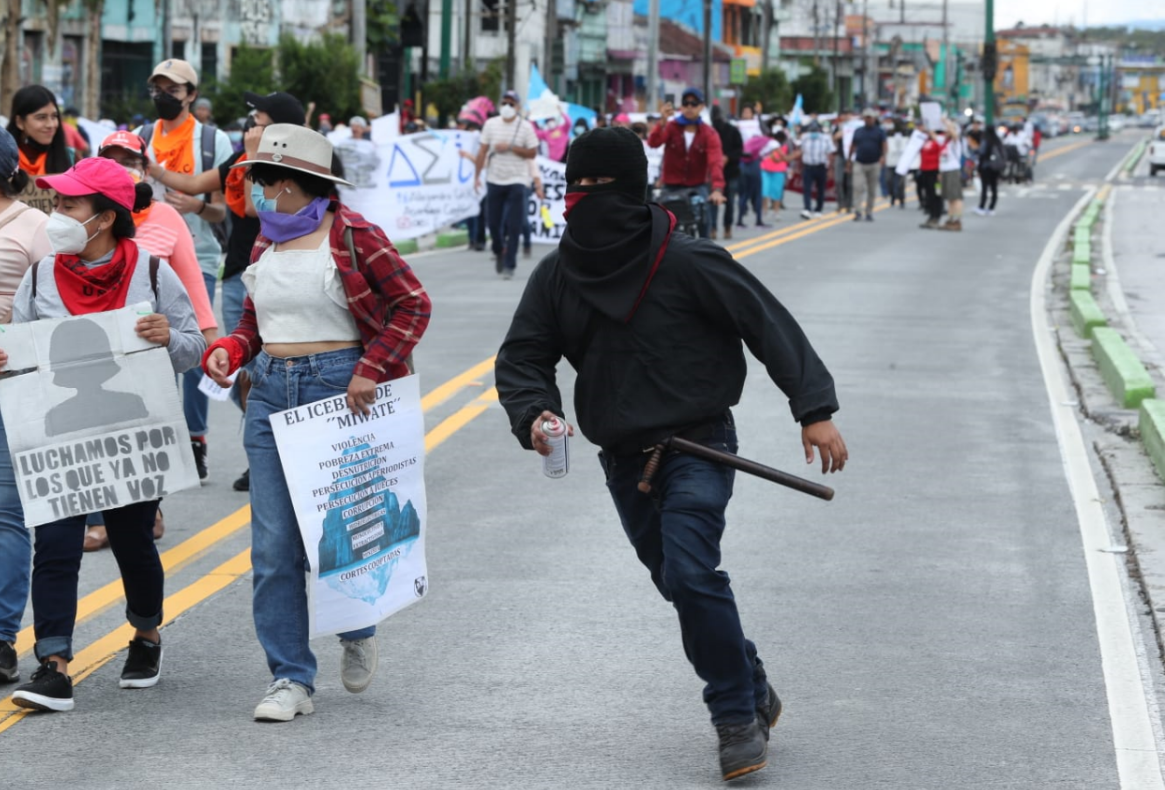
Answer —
93 176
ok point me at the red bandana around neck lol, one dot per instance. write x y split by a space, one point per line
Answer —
94 290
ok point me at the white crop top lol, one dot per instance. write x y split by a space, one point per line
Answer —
287 286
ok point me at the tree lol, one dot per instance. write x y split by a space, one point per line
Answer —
450 94
771 89
252 69
325 71
816 95
92 68
11 67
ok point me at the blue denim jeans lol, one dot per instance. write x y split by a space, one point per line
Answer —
195 405
750 191
507 214
56 564
277 554
15 548
814 176
676 533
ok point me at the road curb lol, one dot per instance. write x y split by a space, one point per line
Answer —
1081 277
1122 371
1085 313
1151 424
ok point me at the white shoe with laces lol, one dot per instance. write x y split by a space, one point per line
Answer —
284 701
358 664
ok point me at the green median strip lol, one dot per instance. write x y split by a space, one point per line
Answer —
405 246
453 238
1081 277
1085 313
1124 374
1151 421
1082 253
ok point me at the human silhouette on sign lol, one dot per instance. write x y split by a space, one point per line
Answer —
81 360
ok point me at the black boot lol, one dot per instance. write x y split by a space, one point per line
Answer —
743 749
769 711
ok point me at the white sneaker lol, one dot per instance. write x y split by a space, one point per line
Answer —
806 214
358 664
817 215
981 212
284 701
991 212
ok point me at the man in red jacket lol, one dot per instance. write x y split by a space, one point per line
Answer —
692 156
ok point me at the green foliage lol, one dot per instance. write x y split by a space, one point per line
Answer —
383 25
450 94
324 71
771 89
814 88
125 106
252 69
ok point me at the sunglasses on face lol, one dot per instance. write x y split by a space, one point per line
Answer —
691 103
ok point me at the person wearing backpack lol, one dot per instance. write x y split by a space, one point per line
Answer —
97 267
181 144
992 163
355 328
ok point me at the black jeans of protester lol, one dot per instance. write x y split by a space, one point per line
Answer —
990 181
731 189
927 187
814 176
56 563
676 531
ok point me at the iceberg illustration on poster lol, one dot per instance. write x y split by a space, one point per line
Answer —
365 523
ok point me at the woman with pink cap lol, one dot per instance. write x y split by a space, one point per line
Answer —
97 267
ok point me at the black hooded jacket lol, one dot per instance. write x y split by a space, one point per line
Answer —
676 363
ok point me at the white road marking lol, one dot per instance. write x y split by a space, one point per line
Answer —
1137 752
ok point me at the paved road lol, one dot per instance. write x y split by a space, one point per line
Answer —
932 627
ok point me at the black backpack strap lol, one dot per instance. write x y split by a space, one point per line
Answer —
208 146
147 132
155 262
35 269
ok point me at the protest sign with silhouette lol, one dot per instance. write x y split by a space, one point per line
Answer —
92 415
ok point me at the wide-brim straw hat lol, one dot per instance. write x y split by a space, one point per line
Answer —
295 148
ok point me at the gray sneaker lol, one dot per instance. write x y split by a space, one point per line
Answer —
284 701
358 664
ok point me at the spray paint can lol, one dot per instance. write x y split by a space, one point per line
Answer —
557 464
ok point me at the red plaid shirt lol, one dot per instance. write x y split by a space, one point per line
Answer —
387 300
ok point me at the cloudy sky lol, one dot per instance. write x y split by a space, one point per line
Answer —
1096 12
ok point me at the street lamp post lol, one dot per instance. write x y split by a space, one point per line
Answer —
990 63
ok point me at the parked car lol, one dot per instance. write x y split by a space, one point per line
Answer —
1150 119
1075 122
1116 123
1156 152
1091 124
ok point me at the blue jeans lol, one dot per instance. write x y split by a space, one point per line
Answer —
750 190
15 548
195 404
507 213
814 175
56 564
277 554
676 533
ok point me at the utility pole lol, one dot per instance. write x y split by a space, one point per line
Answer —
866 82
360 33
946 55
446 37
708 52
836 76
1106 75
816 36
551 33
652 98
511 41
167 31
990 64
467 47
767 33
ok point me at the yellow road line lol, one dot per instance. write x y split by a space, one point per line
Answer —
1060 151
192 548
95 655
780 232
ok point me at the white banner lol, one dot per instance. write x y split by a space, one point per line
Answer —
545 216
358 488
913 146
414 184
93 417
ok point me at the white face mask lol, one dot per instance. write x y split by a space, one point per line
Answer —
508 111
67 235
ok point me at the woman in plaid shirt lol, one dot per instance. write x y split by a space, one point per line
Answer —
332 310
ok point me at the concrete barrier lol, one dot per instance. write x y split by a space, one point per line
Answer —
453 238
1082 253
1081 277
1085 313
406 246
1151 421
1124 374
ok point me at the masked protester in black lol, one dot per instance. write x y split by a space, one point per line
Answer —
652 321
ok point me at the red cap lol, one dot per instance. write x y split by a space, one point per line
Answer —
127 140
93 176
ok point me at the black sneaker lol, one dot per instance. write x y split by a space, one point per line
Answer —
143 665
9 673
244 482
769 711
49 690
199 446
743 749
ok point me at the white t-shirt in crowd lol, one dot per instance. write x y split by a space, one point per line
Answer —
952 156
506 167
689 137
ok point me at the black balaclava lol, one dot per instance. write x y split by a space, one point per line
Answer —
613 238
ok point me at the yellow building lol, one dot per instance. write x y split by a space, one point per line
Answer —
1012 83
1142 85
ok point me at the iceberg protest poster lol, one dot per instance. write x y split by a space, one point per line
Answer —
357 483
92 416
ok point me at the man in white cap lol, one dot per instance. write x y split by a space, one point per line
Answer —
359 128
180 143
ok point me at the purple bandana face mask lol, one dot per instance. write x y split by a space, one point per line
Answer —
284 227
